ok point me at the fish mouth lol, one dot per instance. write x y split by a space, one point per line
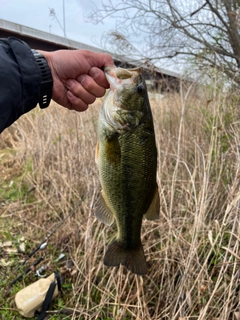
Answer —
119 76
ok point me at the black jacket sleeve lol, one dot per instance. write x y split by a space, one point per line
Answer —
20 80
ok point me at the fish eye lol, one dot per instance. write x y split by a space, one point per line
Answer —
140 88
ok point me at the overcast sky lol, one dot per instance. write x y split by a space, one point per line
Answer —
36 14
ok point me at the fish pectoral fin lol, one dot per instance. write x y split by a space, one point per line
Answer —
102 212
97 153
133 259
154 208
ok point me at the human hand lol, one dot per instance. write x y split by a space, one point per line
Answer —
77 76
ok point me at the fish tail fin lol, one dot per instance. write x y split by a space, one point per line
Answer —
132 259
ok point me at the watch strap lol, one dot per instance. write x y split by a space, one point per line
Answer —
45 92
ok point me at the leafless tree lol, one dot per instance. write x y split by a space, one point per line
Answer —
205 32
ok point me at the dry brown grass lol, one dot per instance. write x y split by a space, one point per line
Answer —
192 250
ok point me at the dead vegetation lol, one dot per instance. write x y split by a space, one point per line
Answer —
47 165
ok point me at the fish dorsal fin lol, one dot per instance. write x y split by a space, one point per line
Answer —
153 210
102 212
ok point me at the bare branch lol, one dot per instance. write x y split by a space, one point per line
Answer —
176 29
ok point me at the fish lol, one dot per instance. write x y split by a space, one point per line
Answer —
126 156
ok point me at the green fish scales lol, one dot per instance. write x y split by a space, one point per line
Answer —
127 159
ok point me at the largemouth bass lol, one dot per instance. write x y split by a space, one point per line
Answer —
126 156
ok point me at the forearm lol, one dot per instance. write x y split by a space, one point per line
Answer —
74 79
20 80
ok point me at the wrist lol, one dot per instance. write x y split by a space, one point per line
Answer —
45 90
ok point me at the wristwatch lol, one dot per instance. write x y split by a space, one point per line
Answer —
45 93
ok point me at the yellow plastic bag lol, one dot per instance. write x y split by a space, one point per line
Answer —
37 296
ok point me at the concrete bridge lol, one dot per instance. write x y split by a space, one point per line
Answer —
161 79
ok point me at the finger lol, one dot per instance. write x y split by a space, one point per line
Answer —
98 59
91 86
76 88
75 103
99 77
